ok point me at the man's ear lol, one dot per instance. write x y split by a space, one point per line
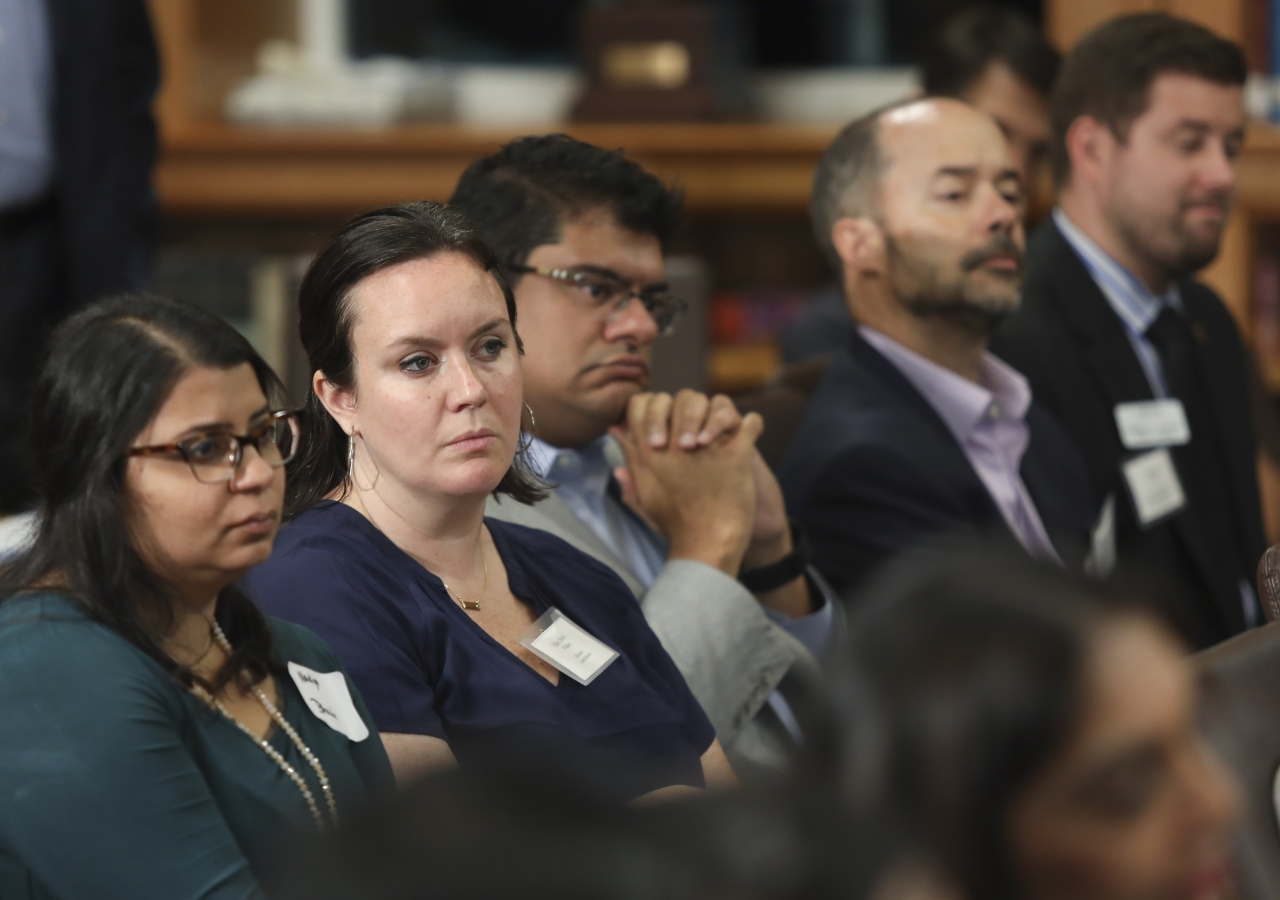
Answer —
1090 147
340 402
859 242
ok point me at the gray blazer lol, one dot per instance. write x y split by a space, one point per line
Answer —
729 652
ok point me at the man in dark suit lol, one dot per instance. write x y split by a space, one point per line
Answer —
1143 366
916 429
77 212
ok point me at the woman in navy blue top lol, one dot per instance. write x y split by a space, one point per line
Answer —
424 669
414 418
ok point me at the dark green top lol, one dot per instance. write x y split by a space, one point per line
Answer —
118 784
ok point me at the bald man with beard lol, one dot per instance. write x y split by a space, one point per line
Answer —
916 429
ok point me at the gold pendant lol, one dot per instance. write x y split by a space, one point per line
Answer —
468 605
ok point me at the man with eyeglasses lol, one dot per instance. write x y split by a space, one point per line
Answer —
691 519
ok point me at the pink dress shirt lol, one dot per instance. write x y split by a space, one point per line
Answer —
988 420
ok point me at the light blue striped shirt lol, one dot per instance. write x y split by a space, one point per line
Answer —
26 102
1131 300
581 479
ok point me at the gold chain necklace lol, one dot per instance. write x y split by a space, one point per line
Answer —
484 589
288 729
473 605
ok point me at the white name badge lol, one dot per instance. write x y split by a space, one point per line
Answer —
1153 482
1152 423
328 696
557 640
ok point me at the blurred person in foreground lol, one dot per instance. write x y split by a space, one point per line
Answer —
474 641
998 60
77 211
1042 736
1142 365
699 535
915 429
476 837
158 741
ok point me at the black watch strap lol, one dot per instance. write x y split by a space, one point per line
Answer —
773 576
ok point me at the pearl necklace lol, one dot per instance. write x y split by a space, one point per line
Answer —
288 729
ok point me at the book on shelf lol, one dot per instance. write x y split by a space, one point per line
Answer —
1258 40
1265 312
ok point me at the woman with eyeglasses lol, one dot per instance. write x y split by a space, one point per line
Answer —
475 642
159 735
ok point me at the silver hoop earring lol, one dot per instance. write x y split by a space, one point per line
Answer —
351 466
533 422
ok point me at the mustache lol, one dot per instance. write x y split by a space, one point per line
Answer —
1221 199
1000 245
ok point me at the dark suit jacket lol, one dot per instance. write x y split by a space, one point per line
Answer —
93 234
874 470
1074 349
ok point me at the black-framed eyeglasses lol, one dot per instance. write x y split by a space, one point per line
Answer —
610 295
215 457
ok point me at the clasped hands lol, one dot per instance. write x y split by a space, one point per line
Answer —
694 474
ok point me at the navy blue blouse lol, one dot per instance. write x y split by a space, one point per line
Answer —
423 667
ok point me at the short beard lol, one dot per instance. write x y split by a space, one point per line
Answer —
919 289
1185 254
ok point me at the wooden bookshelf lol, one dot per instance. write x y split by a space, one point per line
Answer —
213 168
218 170
244 181
1257 204
1257 212
1067 20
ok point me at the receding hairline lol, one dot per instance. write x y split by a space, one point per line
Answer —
851 163
905 114
850 176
